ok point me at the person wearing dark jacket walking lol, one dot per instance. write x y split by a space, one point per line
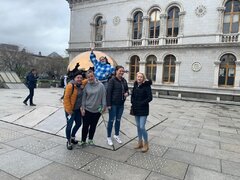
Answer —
31 81
141 96
117 93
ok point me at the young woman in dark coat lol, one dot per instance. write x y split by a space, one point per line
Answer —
141 96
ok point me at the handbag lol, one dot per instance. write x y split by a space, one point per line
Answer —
131 111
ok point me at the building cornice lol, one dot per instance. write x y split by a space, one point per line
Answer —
185 46
71 2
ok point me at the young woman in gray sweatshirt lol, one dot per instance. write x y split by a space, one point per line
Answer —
93 104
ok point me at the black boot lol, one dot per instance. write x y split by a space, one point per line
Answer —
69 145
73 140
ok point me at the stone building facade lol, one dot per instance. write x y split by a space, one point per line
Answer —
183 46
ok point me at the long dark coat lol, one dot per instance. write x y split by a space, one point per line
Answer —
141 96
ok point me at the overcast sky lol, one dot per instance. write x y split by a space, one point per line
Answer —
37 25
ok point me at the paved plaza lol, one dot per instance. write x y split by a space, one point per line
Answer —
189 140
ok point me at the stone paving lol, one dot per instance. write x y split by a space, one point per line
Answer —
189 140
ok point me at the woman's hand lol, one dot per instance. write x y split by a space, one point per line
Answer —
82 111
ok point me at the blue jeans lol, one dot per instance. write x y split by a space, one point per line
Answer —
75 117
142 133
115 114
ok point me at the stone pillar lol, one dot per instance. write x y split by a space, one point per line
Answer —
129 35
142 67
103 32
237 75
216 73
126 75
176 82
145 30
220 23
159 74
163 28
181 26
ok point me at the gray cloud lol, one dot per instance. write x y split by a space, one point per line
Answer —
37 25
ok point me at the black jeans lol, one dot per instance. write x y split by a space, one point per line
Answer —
30 96
90 121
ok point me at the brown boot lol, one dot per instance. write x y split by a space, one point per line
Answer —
139 145
145 147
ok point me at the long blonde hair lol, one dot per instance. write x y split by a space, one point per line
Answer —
144 76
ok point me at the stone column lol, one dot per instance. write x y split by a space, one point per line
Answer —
176 82
216 73
127 67
104 22
129 35
163 28
220 24
159 74
142 67
145 30
181 26
237 75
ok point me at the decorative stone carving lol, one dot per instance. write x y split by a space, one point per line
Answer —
116 20
196 66
201 10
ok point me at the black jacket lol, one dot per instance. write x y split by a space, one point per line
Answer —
116 90
141 96
31 80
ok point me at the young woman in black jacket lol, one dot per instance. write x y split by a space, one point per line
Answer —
117 93
141 96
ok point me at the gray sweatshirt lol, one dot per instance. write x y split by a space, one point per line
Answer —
94 96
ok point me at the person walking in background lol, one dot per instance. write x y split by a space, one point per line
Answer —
65 77
117 93
31 81
93 104
102 68
72 103
141 96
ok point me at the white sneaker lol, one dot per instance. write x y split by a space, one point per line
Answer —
109 141
117 139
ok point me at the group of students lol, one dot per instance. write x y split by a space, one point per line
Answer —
104 88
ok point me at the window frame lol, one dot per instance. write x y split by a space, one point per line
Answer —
151 63
173 21
97 27
139 25
227 66
170 66
134 62
232 14
155 23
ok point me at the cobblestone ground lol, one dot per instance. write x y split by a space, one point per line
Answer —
188 140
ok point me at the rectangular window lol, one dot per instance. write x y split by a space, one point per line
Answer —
226 28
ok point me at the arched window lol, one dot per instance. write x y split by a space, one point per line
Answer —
137 25
99 29
134 67
231 17
227 69
173 22
154 24
151 67
169 69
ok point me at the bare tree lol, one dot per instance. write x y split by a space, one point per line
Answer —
14 60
